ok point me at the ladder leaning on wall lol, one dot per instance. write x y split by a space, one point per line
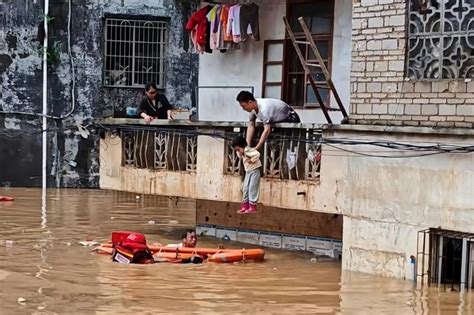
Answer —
320 64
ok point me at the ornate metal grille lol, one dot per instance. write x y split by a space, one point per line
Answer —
191 153
233 163
128 149
440 39
134 52
288 154
163 150
294 155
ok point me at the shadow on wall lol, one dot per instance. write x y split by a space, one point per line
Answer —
20 161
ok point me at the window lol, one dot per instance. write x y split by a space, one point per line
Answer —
319 16
446 258
440 39
135 52
273 69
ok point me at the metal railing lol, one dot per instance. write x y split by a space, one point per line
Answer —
291 154
159 150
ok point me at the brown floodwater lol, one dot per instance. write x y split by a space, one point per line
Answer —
42 262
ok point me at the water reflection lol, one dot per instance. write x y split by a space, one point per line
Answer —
46 266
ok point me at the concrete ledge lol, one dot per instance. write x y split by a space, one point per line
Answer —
324 127
204 124
400 129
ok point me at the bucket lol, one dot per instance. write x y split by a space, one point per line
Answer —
131 112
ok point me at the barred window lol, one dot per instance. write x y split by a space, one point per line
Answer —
135 52
440 39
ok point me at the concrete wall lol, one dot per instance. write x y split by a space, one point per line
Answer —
380 93
74 161
386 201
244 67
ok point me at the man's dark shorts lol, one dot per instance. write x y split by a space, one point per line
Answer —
292 117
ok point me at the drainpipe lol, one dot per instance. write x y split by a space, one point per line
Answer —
45 112
413 263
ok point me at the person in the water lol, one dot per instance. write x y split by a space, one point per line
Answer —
188 239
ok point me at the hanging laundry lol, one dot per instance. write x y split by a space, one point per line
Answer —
198 26
213 18
234 20
225 23
249 22
223 27
224 42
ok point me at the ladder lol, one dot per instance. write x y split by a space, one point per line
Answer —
320 64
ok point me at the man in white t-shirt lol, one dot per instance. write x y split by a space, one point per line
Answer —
268 110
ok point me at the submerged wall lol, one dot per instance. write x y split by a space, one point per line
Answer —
73 160
386 201
386 196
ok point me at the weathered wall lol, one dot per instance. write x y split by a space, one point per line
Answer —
386 201
21 83
380 93
244 67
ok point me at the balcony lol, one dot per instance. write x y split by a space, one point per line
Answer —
196 160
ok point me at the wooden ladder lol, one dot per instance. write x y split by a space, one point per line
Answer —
320 64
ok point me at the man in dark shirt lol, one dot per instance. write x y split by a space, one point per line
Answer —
154 105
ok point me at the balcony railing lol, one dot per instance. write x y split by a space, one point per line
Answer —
159 150
291 154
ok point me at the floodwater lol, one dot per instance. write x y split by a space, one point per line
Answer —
42 263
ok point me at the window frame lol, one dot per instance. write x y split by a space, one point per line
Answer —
164 49
266 63
329 37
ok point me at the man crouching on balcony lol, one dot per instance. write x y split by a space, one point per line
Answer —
269 111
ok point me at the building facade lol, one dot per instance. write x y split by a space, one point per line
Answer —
395 184
391 192
115 48
412 63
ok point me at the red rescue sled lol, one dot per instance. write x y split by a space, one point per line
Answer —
171 254
6 198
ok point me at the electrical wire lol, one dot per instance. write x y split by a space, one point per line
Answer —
385 149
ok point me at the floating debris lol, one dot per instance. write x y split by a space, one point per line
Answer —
89 243
21 300
151 222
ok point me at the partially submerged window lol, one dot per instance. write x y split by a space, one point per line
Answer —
440 39
319 17
135 52
445 258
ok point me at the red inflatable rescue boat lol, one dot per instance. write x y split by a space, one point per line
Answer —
121 240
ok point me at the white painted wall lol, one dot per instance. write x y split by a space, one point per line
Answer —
244 67
386 201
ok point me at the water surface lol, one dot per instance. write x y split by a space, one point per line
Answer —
42 262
